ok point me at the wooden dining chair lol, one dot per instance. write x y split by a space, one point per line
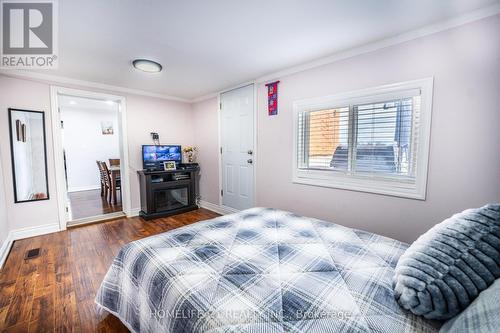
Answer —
114 161
102 175
108 182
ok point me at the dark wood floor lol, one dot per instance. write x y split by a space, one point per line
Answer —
55 292
90 203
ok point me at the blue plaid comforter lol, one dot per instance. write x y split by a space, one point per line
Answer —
260 270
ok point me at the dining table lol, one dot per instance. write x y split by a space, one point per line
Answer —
114 171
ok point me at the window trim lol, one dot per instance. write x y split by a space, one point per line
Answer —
363 183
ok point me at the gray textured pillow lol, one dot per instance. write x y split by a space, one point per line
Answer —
445 269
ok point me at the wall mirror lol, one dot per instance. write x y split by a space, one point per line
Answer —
29 155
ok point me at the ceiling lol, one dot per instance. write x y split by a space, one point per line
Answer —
207 46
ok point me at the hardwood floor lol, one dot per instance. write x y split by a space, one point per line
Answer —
90 203
55 292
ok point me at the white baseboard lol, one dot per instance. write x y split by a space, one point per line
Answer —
5 249
133 212
22 233
97 218
223 210
83 188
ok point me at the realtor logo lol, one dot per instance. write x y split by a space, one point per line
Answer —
29 36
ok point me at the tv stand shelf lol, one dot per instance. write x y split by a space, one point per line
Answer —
169 192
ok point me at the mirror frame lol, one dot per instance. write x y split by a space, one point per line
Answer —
12 155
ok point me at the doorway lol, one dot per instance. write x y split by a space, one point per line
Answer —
91 155
237 121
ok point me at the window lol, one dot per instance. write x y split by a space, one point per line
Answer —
374 140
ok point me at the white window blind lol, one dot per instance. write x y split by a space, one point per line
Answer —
374 139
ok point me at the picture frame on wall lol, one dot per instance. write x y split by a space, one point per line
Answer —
107 128
169 165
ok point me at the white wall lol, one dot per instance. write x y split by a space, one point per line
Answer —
464 167
84 144
171 120
205 125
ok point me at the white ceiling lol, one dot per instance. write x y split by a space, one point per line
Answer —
206 46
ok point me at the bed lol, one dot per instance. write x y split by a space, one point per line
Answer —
260 270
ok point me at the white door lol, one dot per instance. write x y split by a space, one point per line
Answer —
237 140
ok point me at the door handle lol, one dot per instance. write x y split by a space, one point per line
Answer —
250 152
249 161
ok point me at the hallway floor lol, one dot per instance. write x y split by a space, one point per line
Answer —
90 203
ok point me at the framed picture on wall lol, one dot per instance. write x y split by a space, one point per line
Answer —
107 128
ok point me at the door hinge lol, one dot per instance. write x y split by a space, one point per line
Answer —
67 210
220 105
62 124
221 150
221 192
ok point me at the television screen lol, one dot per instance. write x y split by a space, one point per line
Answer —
154 156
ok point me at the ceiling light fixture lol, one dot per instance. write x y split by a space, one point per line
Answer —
72 102
148 66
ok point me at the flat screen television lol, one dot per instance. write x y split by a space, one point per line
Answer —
154 156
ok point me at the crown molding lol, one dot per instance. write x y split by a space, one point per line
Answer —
62 80
205 97
216 94
371 47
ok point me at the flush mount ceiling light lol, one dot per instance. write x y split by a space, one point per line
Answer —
148 66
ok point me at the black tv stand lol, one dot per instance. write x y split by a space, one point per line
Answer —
169 192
